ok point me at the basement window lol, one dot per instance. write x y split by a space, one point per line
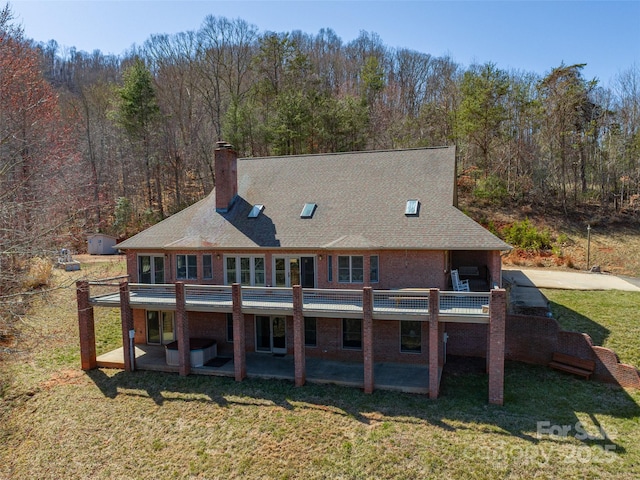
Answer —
412 208
308 210
256 210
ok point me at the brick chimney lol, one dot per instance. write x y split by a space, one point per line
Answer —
226 176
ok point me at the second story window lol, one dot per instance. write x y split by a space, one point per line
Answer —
351 269
186 267
374 276
207 267
245 270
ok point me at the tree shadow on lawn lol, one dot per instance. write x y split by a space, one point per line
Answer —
534 396
539 402
572 321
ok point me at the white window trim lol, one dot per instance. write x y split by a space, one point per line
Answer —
350 257
187 266
252 267
153 268
211 264
364 274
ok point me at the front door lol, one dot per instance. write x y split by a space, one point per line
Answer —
271 334
289 271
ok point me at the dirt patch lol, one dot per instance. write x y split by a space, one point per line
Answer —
613 243
64 377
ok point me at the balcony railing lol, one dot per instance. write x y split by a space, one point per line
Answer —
315 302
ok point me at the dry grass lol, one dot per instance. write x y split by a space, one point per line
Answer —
614 244
38 273
59 422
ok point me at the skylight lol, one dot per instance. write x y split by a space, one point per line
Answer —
255 211
308 210
412 207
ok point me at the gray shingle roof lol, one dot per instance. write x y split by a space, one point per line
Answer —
360 197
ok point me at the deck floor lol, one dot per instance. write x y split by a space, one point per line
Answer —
387 376
451 303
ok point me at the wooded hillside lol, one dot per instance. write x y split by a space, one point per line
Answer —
112 144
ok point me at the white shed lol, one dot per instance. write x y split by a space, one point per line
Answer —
101 244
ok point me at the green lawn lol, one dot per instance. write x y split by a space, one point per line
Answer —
59 422
611 318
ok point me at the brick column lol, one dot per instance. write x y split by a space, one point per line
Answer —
367 338
495 269
126 315
239 341
488 357
298 338
366 267
182 331
434 343
86 326
497 319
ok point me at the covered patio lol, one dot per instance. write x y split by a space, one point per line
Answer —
431 306
388 376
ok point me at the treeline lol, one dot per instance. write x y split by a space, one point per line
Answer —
132 136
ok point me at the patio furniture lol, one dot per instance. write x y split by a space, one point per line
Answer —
459 285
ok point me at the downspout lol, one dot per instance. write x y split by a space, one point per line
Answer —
132 351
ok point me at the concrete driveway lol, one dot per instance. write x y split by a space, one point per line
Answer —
564 280
524 283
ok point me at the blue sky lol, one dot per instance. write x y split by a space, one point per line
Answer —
533 36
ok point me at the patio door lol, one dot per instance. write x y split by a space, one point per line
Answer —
160 327
271 334
289 271
151 268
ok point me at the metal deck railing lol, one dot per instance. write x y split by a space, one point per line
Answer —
315 302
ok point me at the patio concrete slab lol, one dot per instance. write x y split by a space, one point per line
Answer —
387 376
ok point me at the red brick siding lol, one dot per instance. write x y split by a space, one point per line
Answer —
410 268
528 339
140 325
226 173
466 339
386 334
397 268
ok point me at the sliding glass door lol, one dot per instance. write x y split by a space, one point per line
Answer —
271 334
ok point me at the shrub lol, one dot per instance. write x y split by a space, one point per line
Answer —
492 189
525 235
563 239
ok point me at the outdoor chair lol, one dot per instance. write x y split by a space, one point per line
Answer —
459 285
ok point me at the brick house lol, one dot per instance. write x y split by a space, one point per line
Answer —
318 258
